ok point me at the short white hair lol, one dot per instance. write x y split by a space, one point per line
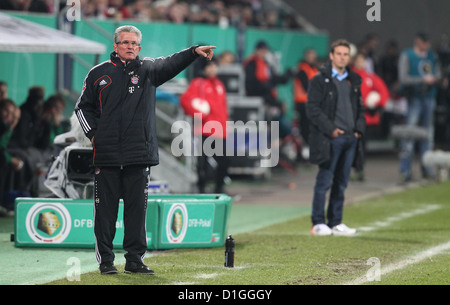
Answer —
129 29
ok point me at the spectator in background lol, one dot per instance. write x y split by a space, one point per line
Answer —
206 96
118 10
222 12
234 15
271 20
202 14
103 9
443 51
419 73
247 17
51 123
178 12
368 47
307 69
389 66
9 117
289 21
8 5
226 58
141 10
25 135
39 6
396 107
375 94
25 140
373 91
95 8
261 80
3 90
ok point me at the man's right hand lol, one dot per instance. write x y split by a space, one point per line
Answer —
205 51
336 133
16 164
429 79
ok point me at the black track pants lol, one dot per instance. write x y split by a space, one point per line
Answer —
112 184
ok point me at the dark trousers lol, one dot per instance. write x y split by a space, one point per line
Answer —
221 170
303 121
333 174
3 169
112 184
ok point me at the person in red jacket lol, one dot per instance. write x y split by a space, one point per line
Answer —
206 98
375 94
373 90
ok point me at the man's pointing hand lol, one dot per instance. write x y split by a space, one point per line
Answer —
205 51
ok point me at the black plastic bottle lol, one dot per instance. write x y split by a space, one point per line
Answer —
229 252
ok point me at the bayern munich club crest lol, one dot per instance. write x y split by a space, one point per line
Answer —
135 79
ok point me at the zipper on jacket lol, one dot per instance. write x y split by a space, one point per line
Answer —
122 98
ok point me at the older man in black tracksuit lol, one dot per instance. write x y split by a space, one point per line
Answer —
117 112
336 116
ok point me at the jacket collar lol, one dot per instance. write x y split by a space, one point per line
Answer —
130 65
327 71
335 73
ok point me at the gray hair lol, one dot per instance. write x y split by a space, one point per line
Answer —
129 29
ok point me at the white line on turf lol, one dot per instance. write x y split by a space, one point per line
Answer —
182 283
428 253
206 275
401 216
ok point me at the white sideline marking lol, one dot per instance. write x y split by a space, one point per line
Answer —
404 215
405 262
206 275
182 283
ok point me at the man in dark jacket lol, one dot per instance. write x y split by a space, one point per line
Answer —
116 110
336 114
9 117
262 80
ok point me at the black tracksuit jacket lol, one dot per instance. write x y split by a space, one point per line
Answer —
117 107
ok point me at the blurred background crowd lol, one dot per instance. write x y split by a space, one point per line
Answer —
222 12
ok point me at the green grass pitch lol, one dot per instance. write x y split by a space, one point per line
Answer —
402 238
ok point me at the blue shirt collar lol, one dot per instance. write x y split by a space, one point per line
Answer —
335 73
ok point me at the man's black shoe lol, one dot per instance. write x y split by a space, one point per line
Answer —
107 268
134 267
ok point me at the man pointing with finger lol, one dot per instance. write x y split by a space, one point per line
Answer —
116 110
